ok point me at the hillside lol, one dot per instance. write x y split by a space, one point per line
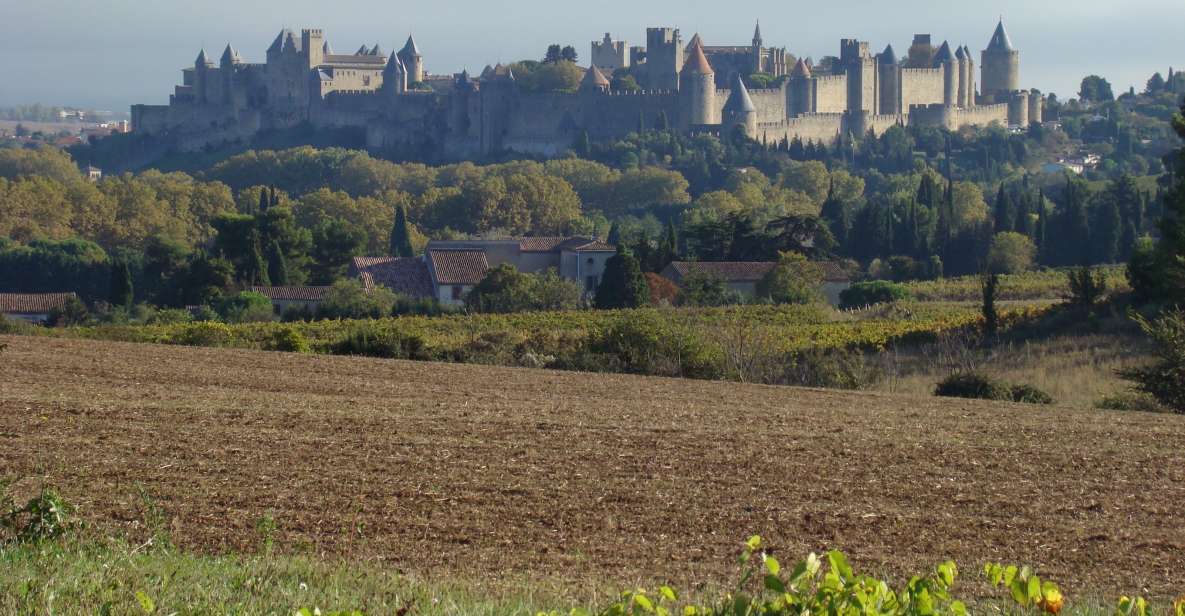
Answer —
476 471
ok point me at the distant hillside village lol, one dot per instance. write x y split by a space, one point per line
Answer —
689 86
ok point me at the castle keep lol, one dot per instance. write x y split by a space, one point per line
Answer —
694 87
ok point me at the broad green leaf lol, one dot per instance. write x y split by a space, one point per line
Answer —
644 602
772 565
753 543
668 592
1034 589
775 584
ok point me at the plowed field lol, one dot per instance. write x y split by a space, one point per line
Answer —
474 471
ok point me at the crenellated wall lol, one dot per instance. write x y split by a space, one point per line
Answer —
922 86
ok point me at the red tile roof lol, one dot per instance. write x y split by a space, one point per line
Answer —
292 294
406 276
557 244
466 267
32 303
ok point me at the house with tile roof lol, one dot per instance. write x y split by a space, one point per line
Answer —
451 268
32 307
743 276
298 297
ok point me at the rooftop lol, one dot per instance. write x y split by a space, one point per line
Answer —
406 276
464 267
292 293
33 303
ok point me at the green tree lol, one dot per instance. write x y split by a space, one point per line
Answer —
348 299
1095 89
277 267
122 293
504 289
335 243
1107 232
1165 379
623 285
401 235
1011 253
990 285
795 280
1002 216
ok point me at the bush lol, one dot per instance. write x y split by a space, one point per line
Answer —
1164 380
72 313
246 307
1130 401
44 517
979 386
204 333
287 339
347 299
366 341
706 292
828 369
647 344
795 280
871 293
972 385
1087 287
504 290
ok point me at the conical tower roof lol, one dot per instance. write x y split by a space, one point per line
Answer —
960 54
327 49
801 69
594 79
394 65
757 31
739 100
410 49
888 56
944 55
230 56
695 40
202 60
377 51
1000 40
278 44
697 62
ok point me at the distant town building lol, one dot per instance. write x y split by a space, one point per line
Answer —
33 307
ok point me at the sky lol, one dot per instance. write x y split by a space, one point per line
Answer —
108 54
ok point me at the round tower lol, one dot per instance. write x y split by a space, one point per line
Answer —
1000 64
961 77
739 110
413 61
1018 109
395 76
1036 107
594 81
801 89
697 87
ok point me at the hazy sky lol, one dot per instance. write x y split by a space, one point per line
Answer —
111 53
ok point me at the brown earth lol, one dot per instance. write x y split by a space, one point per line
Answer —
500 473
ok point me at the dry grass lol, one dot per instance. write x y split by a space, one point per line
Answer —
493 473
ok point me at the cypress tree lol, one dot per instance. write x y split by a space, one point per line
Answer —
122 293
614 238
273 198
1107 232
944 227
277 267
1042 226
837 217
670 246
1076 224
400 243
264 201
257 267
1003 212
1024 220
623 285
583 145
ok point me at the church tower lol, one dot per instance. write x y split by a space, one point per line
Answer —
1000 64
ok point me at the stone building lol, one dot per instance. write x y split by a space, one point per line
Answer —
392 102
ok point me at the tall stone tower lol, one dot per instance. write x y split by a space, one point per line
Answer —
945 60
664 58
862 75
697 87
739 109
890 81
758 45
413 61
594 81
395 76
201 74
1000 64
312 43
801 91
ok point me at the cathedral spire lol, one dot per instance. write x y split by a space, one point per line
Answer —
757 42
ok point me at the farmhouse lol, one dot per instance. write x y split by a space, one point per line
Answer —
450 269
32 307
744 276
301 298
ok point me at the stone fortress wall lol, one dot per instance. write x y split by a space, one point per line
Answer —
303 81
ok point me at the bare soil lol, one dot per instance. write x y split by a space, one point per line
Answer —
483 472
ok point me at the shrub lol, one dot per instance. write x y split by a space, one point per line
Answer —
287 339
828 369
204 333
972 385
662 290
246 307
647 344
504 289
46 516
870 293
795 280
1164 380
979 386
1029 394
347 299
1087 287
706 291
1011 253
1130 401
14 326
73 312
368 342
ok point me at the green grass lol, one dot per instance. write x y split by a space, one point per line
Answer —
79 576
1050 284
